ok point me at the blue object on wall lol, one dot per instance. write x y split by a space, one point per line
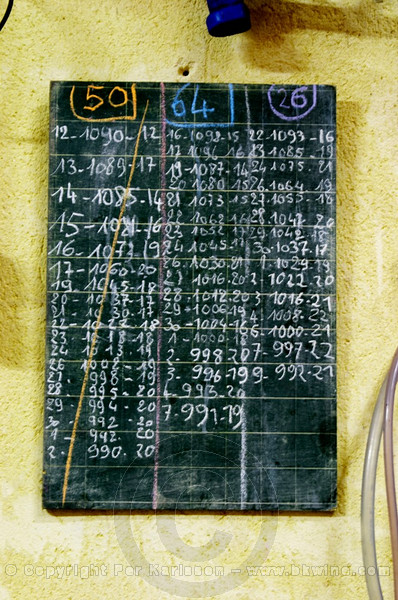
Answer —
227 17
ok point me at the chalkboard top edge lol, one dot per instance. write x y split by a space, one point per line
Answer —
212 84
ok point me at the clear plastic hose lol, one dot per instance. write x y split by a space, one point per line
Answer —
389 466
368 498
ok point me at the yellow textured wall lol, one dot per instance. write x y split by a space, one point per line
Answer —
350 44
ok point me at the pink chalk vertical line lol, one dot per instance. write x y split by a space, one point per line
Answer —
161 288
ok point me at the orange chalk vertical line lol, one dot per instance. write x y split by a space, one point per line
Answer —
104 292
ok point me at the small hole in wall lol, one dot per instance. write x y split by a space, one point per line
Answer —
184 71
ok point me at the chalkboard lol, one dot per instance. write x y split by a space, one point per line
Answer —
191 337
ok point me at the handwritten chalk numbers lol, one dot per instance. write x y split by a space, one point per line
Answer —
180 110
97 104
190 108
292 105
114 103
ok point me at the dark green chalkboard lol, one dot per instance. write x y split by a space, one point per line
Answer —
191 345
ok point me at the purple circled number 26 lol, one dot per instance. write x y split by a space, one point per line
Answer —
292 105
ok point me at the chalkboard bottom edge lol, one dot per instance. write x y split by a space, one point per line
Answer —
98 510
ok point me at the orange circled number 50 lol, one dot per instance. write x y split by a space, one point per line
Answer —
109 99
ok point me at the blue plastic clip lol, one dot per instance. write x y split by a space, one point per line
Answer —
227 17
